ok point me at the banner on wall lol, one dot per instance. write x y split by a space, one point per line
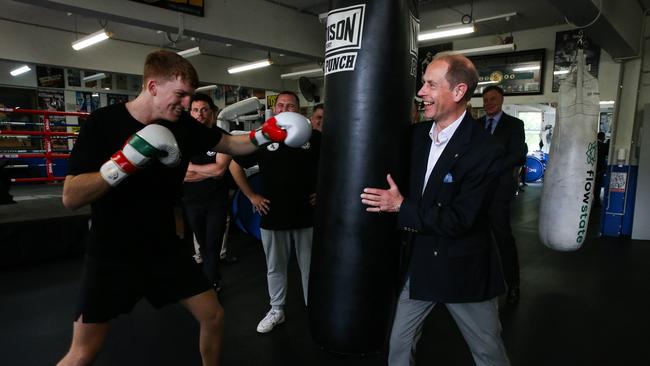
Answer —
50 77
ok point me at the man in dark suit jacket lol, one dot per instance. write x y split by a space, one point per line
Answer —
601 166
454 165
508 131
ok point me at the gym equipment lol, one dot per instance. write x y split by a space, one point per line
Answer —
570 175
246 217
534 169
370 67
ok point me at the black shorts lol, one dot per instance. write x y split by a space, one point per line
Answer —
111 287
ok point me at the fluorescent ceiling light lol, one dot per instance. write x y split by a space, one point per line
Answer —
93 77
444 33
21 70
206 88
305 73
526 68
487 82
499 48
249 66
560 72
606 102
505 16
194 51
90 39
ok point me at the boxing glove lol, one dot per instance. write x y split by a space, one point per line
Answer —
289 127
151 142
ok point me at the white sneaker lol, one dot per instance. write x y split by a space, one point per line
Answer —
272 318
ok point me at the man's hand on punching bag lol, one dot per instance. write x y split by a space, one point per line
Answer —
289 127
152 142
383 200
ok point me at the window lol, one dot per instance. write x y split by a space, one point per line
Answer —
532 128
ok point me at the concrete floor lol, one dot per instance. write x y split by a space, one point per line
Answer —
588 307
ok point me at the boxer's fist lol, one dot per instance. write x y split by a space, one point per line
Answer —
289 127
152 142
163 141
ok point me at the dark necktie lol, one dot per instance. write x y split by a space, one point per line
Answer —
489 125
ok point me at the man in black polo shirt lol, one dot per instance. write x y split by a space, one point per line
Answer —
131 187
286 203
205 194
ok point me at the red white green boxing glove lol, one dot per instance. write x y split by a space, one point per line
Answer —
152 142
289 127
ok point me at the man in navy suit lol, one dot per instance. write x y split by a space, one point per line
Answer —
508 131
453 168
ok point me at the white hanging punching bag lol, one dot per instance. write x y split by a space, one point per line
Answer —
569 179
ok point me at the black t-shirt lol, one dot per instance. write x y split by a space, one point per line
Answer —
208 190
288 179
137 215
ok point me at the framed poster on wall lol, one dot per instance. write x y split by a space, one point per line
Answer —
86 101
425 55
50 77
566 45
51 101
517 73
193 7
116 98
230 94
270 100
54 101
74 77
244 93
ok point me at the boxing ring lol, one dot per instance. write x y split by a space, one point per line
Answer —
34 150
49 161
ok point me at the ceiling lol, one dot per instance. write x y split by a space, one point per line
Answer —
529 15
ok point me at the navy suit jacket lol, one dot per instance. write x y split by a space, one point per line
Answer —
452 255
509 133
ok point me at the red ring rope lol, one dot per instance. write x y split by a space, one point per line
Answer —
47 135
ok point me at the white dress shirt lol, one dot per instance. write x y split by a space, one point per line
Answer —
438 143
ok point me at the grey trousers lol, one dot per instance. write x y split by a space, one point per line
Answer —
277 247
478 322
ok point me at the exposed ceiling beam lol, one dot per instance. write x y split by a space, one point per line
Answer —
616 27
225 23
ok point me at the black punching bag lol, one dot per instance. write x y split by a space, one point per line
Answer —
370 65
